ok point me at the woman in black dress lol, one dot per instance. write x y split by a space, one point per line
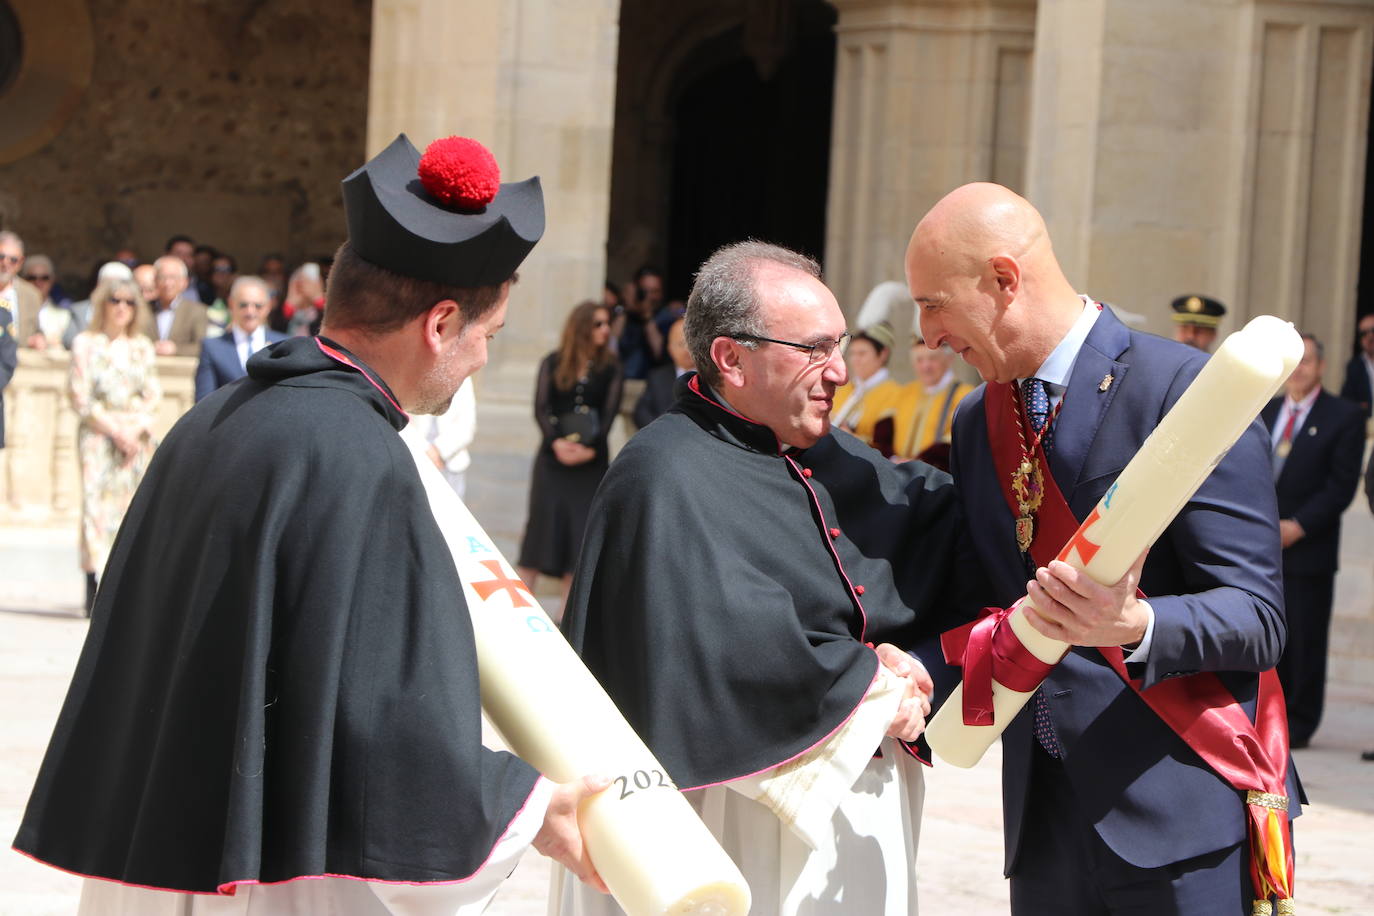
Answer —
576 399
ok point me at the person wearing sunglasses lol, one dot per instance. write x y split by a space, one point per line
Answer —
576 399
18 295
742 561
224 359
114 390
1359 372
57 325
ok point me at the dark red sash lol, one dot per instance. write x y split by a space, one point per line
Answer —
1251 757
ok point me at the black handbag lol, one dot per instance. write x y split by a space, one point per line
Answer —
583 424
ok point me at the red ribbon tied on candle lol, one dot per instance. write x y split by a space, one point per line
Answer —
986 649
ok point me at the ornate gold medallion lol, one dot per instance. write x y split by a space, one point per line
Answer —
1028 486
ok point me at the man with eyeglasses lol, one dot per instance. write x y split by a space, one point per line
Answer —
225 358
17 295
742 561
177 324
1359 372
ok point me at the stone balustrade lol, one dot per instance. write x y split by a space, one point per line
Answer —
40 480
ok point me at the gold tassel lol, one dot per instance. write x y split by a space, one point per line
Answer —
1287 907
1262 908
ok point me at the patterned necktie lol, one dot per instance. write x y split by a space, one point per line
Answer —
1037 403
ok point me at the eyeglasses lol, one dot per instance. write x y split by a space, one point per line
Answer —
38 278
129 302
223 269
818 352
11 258
1367 332
252 305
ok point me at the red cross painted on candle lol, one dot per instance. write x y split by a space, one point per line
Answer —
488 587
1086 548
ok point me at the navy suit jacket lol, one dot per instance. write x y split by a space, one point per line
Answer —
1212 578
1356 385
219 361
1319 479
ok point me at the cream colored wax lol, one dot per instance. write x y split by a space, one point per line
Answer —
649 846
1172 463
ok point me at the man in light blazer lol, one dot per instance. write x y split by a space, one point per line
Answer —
1318 442
17 295
224 359
177 324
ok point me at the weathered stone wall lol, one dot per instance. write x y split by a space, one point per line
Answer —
232 122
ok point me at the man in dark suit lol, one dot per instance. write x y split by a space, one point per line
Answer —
659 384
9 358
224 359
1106 808
1359 372
1318 442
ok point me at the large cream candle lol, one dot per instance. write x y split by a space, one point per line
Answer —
649 846
1172 463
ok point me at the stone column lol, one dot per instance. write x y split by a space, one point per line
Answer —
536 83
1212 147
929 94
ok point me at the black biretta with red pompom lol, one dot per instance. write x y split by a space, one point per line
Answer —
443 217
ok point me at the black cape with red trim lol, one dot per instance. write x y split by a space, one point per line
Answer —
280 678
718 609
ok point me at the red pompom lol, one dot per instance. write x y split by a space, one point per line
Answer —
460 172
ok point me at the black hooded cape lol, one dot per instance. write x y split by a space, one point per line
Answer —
280 678
727 588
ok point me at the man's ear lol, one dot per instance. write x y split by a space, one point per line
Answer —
442 322
1006 273
726 353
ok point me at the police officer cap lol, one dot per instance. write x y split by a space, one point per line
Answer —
1198 310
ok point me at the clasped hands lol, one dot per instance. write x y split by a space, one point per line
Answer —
572 453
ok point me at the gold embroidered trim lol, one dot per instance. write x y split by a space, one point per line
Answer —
1266 800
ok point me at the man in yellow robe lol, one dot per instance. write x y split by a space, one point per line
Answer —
924 410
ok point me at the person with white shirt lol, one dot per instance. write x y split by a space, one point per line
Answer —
225 358
179 323
444 438
17 295
1110 803
1318 444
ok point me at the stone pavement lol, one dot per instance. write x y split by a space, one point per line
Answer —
960 859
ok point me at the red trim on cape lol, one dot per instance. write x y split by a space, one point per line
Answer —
228 888
342 358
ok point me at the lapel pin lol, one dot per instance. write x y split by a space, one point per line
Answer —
1311 430
1105 383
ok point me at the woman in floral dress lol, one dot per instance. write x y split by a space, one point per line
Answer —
115 393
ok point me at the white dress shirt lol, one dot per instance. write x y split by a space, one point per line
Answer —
247 344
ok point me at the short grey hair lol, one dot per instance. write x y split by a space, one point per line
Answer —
172 262
8 236
724 301
249 280
39 260
1317 344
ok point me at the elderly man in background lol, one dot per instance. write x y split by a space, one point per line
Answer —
17 295
183 248
225 358
742 558
1318 442
1359 372
178 324
57 324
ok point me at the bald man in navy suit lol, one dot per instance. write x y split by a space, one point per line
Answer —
222 359
1106 808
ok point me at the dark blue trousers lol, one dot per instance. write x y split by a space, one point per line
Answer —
1064 868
